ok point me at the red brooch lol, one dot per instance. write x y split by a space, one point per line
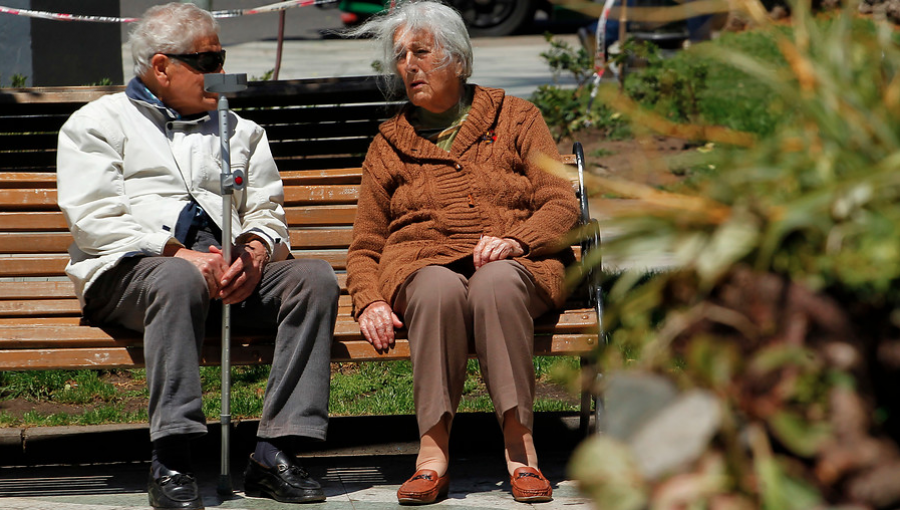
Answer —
489 137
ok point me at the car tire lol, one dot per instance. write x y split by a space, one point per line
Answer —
487 18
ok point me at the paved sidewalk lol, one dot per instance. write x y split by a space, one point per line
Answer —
360 469
511 63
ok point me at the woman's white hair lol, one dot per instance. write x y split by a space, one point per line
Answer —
443 22
169 28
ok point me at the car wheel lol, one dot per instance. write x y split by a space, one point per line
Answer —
496 17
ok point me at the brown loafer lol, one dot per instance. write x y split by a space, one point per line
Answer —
530 486
423 488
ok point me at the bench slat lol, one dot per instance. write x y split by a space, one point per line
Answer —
326 215
37 290
320 162
354 146
66 310
312 129
28 199
24 332
324 194
27 179
33 266
65 289
342 194
58 242
355 351
324 238
40 308
32 220
47 122
362 118
20 333
54 265
351 175
47 242
28 140
43 160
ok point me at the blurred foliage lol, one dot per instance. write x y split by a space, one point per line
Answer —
781 294
103 82
266 76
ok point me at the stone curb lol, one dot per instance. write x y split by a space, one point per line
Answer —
348 436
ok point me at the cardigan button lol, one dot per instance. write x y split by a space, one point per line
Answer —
457 166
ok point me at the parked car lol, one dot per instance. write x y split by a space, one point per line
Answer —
483 17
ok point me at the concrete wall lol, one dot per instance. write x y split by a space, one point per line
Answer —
15 44
61 53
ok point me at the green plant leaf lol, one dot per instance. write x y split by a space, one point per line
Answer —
801 436
606 471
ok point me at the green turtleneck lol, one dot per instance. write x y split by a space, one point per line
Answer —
441 128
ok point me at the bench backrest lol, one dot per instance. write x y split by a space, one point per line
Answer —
311 124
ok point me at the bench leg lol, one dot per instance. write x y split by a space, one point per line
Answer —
584 424
599 415
588 398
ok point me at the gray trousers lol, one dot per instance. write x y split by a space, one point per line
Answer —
167 299
447 308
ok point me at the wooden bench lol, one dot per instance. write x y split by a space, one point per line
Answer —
319 131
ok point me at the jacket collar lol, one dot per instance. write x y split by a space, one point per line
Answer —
400 134
140 94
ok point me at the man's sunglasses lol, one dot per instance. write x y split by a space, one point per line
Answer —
206 62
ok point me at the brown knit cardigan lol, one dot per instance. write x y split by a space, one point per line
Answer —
420 205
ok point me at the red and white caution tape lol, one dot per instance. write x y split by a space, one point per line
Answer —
231 13
600 54
279 6
63 17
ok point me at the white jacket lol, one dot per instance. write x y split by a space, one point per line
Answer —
127 167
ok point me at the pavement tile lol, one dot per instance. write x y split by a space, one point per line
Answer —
356 475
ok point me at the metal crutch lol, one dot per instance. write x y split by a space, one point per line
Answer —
222 84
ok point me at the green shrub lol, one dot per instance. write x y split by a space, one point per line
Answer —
569 110
694 87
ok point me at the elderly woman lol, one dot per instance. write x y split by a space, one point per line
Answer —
458 237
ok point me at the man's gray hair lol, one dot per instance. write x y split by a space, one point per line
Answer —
169 28
443 22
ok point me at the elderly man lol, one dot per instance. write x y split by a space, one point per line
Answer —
138 180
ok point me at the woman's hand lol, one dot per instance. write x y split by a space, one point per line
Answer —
377 323
491 248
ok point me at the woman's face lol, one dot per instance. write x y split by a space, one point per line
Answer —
431 83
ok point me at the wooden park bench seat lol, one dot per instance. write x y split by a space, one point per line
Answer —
319 131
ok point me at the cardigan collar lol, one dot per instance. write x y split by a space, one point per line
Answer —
486 105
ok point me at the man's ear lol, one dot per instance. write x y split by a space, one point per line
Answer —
159 64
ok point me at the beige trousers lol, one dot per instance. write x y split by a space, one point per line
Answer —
445 309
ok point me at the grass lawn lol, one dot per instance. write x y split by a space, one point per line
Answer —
94 397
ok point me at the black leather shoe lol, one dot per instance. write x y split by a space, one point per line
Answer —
285 481
174 490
